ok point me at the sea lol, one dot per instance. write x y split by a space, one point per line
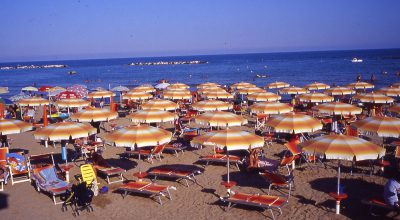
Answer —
296 68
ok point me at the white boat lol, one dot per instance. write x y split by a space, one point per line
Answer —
355 60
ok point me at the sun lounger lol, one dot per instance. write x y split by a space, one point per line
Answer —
176 147
278 180
46 180
104 168
150 154
41 160
376 203
265 202
147 188
221 158
175 174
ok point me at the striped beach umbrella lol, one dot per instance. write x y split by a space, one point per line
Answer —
338 108
360 85
293 90
212 105
338 90
277 85
137 95
33 101
218 95
94 114
317 86
152 116
315 97
68 95
395 108
139 136
11 126
379 125
143 88
177 94
64 131
71 103
210 89
101 94
242 85
160 104
250 90
374 98
390 91
293 123
178 86
4 90
218 119
29 89
264 97
396 85
207 84
271 108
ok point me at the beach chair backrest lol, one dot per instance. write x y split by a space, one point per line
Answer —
158 149
88 174
293 148
3 153
41 160
17 163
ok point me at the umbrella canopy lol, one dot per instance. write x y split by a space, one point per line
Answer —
143 88
212 105
160 104
338 108
315 97
64 131
277 85
177 94
242 85
56 88
33 101
360 85
293 90
29 89
396 84
374 98
81 90
94 114
140 136
71 103
99 88
4 90
152 116
293 123
137 95
217 118
10 126
271 108
218 95
178 86
390 91
45 88
101 94
207 84
250 90
339 91
316 86
395 108
18 97
162 85
68 95
379 125
120 89
264 96
210 89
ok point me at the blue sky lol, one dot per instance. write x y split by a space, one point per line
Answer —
71 29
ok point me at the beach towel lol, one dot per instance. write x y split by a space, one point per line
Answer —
17 162
52 181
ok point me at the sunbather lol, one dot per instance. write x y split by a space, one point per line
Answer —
391 190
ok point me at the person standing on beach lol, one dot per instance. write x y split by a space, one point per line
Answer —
390 192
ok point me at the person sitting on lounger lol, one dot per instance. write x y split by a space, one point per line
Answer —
391 190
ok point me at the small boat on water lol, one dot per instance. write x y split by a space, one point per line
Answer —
355 60
261 76
72 72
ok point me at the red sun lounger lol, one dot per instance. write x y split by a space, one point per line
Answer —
147 188
175 173
221 158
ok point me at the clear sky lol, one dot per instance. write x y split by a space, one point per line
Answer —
79 29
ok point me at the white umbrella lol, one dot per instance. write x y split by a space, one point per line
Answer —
162 86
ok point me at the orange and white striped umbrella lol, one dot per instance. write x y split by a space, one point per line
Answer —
4 90
160 104
317 86
64 131
11 126
207 84
210 89
143 88
395 108
338 90
360 85
177 94
338 108
217 119
396 85
264 97
374 98
390 91
94 114
152 116
139 136
271 108
250 90
101 94
218 95
72 103
212 105
178 86
242 85
34 101
293 123
277 85
315 97
382 126
137 95
293 90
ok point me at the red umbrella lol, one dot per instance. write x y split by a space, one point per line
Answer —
68 95
45 88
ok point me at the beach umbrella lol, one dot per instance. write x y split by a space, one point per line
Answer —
379 125
16 98
375 98
212 105
210 89
230 140
139 136
68 95
120 89
29 89
137 95
162 85
4 90
264 96
44 88
360 85
395 108
152 116
178 86
11 126
218 118
390 91
71 103
217 95
143 88
293 90
338 108
277 85
81 90
64 131
242 85
293 123
207 84
98 89
33 101
316 86
177 94
101 94
315 97
56 88
339 91
342 147
271 108
250 90
94 115
160 104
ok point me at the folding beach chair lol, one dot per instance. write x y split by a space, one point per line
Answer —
41 160
278 180
175 173
221 158
18 168
150 154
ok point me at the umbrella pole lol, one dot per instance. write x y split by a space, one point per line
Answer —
338 190
227 153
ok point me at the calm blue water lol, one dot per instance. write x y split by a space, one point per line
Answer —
299 69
